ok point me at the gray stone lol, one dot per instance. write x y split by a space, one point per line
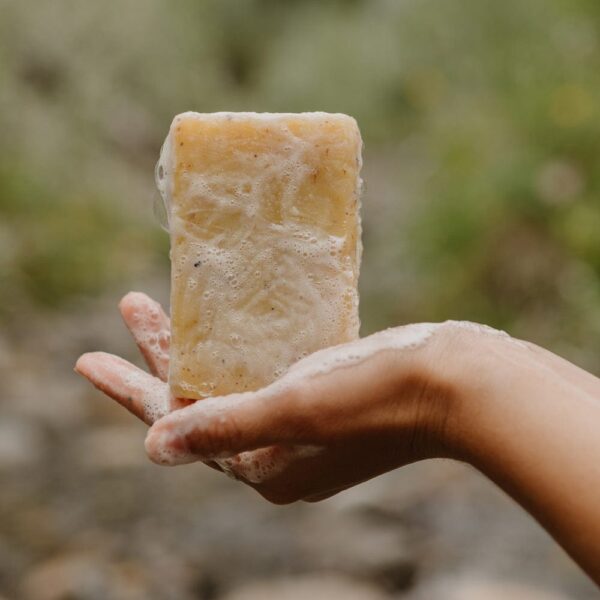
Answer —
113 447
65 577
87 577
476 588
358 546
331 587
21 443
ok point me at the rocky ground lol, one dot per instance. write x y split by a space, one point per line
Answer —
84 515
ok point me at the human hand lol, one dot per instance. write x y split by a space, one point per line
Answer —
523 416
337 418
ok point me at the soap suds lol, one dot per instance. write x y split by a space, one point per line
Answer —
346 355
402 338
254 466
147 332
154 394
481 329
264 464
150 329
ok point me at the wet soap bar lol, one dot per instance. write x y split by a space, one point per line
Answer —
264 221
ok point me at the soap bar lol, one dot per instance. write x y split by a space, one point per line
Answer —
264 218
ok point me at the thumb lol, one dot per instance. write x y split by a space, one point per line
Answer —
223 427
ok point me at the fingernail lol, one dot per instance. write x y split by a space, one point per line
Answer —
81 362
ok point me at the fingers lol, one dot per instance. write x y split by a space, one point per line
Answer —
150 328
142 394
222 427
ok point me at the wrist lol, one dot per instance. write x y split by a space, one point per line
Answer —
430 392
468 367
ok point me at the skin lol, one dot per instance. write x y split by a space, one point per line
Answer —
526 418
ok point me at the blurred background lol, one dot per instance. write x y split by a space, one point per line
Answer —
481 122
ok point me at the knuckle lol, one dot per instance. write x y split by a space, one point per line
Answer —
296 408
218 437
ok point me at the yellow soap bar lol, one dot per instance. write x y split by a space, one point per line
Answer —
264 220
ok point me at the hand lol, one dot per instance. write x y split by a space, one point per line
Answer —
337 418
523 416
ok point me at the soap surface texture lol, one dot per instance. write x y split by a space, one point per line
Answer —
264 219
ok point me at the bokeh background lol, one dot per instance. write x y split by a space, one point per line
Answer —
481 122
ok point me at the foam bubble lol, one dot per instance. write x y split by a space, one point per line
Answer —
155 395
480 329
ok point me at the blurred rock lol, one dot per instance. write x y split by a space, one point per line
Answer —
21 443
66 577
37 393
113 447
475 588
5 354
394 493
360 547
324 586
86 578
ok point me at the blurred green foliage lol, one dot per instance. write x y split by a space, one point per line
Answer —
481 121
57 246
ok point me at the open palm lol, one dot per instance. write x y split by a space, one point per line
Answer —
307 436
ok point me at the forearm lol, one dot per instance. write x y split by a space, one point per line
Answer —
531 422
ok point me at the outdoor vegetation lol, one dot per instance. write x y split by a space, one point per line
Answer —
481 124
